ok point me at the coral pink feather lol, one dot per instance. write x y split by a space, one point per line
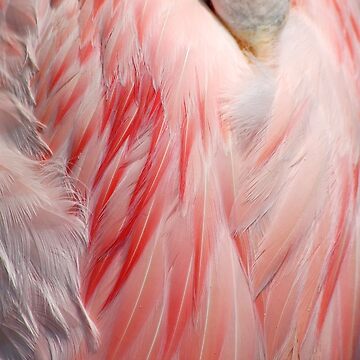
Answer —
174 186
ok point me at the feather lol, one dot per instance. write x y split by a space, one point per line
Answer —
42 218
221 190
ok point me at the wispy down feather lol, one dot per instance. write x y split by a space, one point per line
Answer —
42 219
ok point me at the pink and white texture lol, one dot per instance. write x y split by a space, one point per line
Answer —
165 196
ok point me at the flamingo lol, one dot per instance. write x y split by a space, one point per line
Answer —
179 179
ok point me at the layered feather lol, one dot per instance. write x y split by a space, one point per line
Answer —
223 191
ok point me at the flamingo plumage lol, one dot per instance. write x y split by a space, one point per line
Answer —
170 191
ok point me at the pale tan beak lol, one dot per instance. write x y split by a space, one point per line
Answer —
255 24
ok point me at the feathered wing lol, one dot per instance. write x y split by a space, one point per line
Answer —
42 221
298 205
162 276
222 192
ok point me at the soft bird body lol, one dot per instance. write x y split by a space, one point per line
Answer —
222 190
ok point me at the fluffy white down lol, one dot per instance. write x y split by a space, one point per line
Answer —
42 220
